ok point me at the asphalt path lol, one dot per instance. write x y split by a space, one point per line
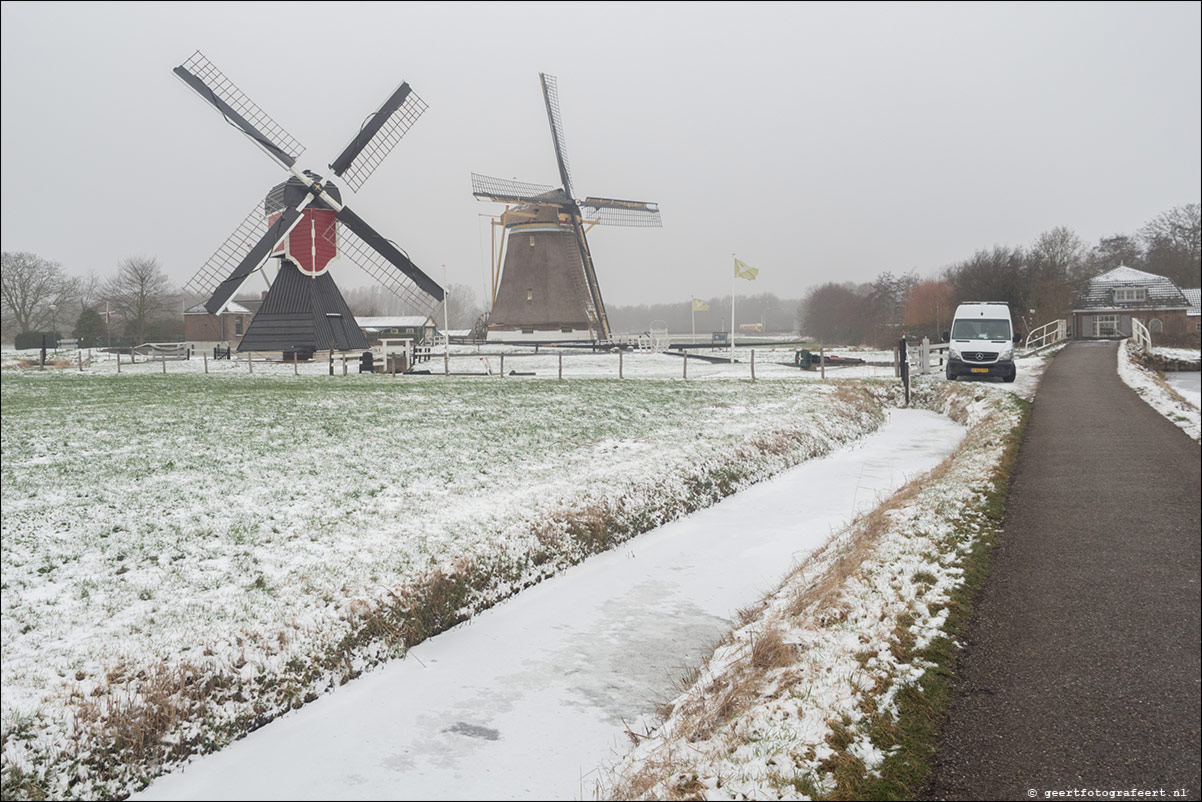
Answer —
1080 673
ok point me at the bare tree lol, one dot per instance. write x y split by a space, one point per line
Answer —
1117 251
462 307
1171 240
929 308
999 274
140 293
834 313
1056 265
33 292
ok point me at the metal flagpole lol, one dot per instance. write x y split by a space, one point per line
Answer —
446 327
732 308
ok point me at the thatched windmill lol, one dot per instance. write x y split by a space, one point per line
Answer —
548 290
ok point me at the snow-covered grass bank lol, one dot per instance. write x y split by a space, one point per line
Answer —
1145 377
831 688
187 556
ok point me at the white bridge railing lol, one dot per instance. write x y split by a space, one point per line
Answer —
1047 334
1140 335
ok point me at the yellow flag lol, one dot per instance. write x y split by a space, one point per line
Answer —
744 270
700 305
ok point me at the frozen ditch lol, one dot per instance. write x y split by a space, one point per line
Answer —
1189 385
527 699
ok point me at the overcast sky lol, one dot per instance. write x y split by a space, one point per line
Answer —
817 142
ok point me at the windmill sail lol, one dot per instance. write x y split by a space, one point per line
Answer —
378 136
238 109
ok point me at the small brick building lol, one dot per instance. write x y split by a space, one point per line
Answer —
204 331
1113 298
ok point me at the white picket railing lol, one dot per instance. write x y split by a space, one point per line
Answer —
926 351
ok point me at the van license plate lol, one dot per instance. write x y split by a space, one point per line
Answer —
980 370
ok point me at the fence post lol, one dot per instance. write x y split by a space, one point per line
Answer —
163 359
686 363
295 369
118 361
560 364
81 360
822 362
446 360
344 364
206 358
753 364
250 363
502 366
620 352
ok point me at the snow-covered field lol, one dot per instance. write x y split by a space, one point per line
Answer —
1158 393
187 555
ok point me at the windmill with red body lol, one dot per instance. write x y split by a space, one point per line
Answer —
304 224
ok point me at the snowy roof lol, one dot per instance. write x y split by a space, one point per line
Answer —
1194 297
233 307
1160 292
394 322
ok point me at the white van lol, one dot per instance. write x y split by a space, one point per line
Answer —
981 342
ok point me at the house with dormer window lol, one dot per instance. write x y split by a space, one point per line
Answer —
1112 299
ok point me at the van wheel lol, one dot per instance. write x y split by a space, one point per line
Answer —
951 377
1010 377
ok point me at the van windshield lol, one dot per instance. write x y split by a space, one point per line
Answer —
981 329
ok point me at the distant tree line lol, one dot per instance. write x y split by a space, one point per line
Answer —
137 303
133 305
1040 282
776 314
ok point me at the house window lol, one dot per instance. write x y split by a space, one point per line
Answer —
1155 326
527 329
238 326
565 329
531 240
1129 294
529 295
1106 326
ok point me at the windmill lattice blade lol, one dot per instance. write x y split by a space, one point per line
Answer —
504 190
551 96
378 136
380 259
254 259
229 255
238 109
613 212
